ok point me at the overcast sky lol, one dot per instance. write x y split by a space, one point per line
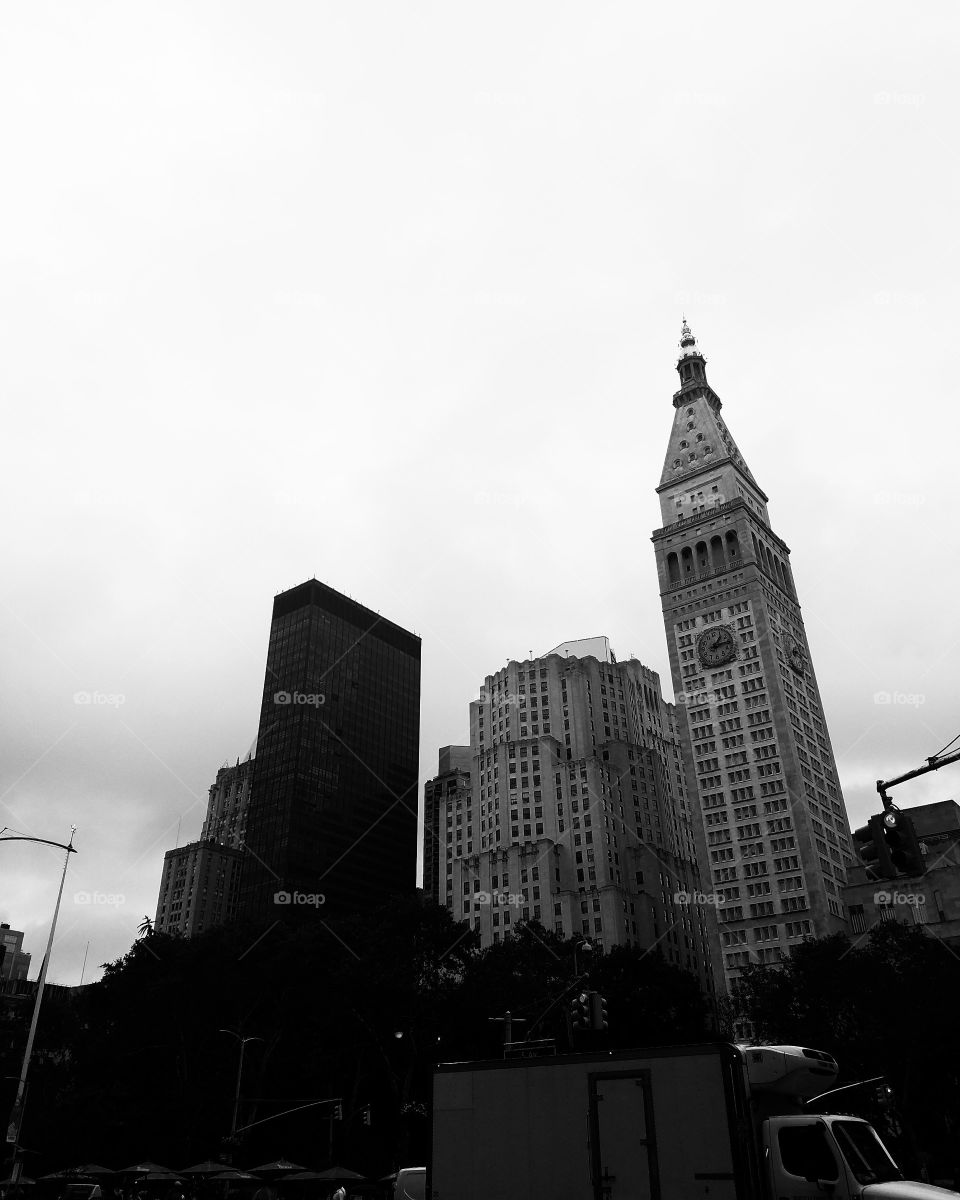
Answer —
390 294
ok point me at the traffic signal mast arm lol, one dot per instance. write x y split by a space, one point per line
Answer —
888 844
933 764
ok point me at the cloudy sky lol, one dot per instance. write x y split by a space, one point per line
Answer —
389 293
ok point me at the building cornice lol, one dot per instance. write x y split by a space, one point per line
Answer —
709 514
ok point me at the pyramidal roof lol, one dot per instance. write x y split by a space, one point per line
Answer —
699 438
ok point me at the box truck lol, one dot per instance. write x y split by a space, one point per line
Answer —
669 1123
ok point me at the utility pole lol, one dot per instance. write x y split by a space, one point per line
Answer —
16 1114
508 1020
236 1097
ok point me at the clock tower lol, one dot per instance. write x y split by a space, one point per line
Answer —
775 842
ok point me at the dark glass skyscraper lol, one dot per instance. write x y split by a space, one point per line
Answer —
333 811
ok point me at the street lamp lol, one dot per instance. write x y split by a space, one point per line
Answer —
236 1099
584 945
16 1113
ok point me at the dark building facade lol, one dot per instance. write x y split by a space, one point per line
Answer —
332 821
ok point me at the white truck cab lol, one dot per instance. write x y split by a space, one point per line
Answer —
814 1154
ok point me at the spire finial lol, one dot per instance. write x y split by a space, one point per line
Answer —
686 334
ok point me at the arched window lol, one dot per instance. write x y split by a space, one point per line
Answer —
673 567
686 561
716 551
703 561
733 545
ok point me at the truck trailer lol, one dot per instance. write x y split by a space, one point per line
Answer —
668 1123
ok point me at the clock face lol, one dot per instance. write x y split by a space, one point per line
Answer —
797 656
716 646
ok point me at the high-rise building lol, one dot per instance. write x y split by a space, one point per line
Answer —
578 813
228 805
14 960
777 840
440 795
200 885
333 814
199 888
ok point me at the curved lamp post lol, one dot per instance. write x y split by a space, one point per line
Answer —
16 1114
236 1099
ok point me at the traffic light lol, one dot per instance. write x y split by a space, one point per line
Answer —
338 1111
598 1011
873 849
902 843
580 1011
366 1115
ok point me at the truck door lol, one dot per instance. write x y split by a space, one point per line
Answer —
801 1158
623 1162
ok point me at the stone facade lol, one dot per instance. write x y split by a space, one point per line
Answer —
578 813
199 888
775 836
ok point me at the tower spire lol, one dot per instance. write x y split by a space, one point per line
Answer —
691 365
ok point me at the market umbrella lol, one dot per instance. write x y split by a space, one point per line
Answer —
338 1173
87 1171
161 1176
5 1183
145 1168
205 1168
231 1173
281 1167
